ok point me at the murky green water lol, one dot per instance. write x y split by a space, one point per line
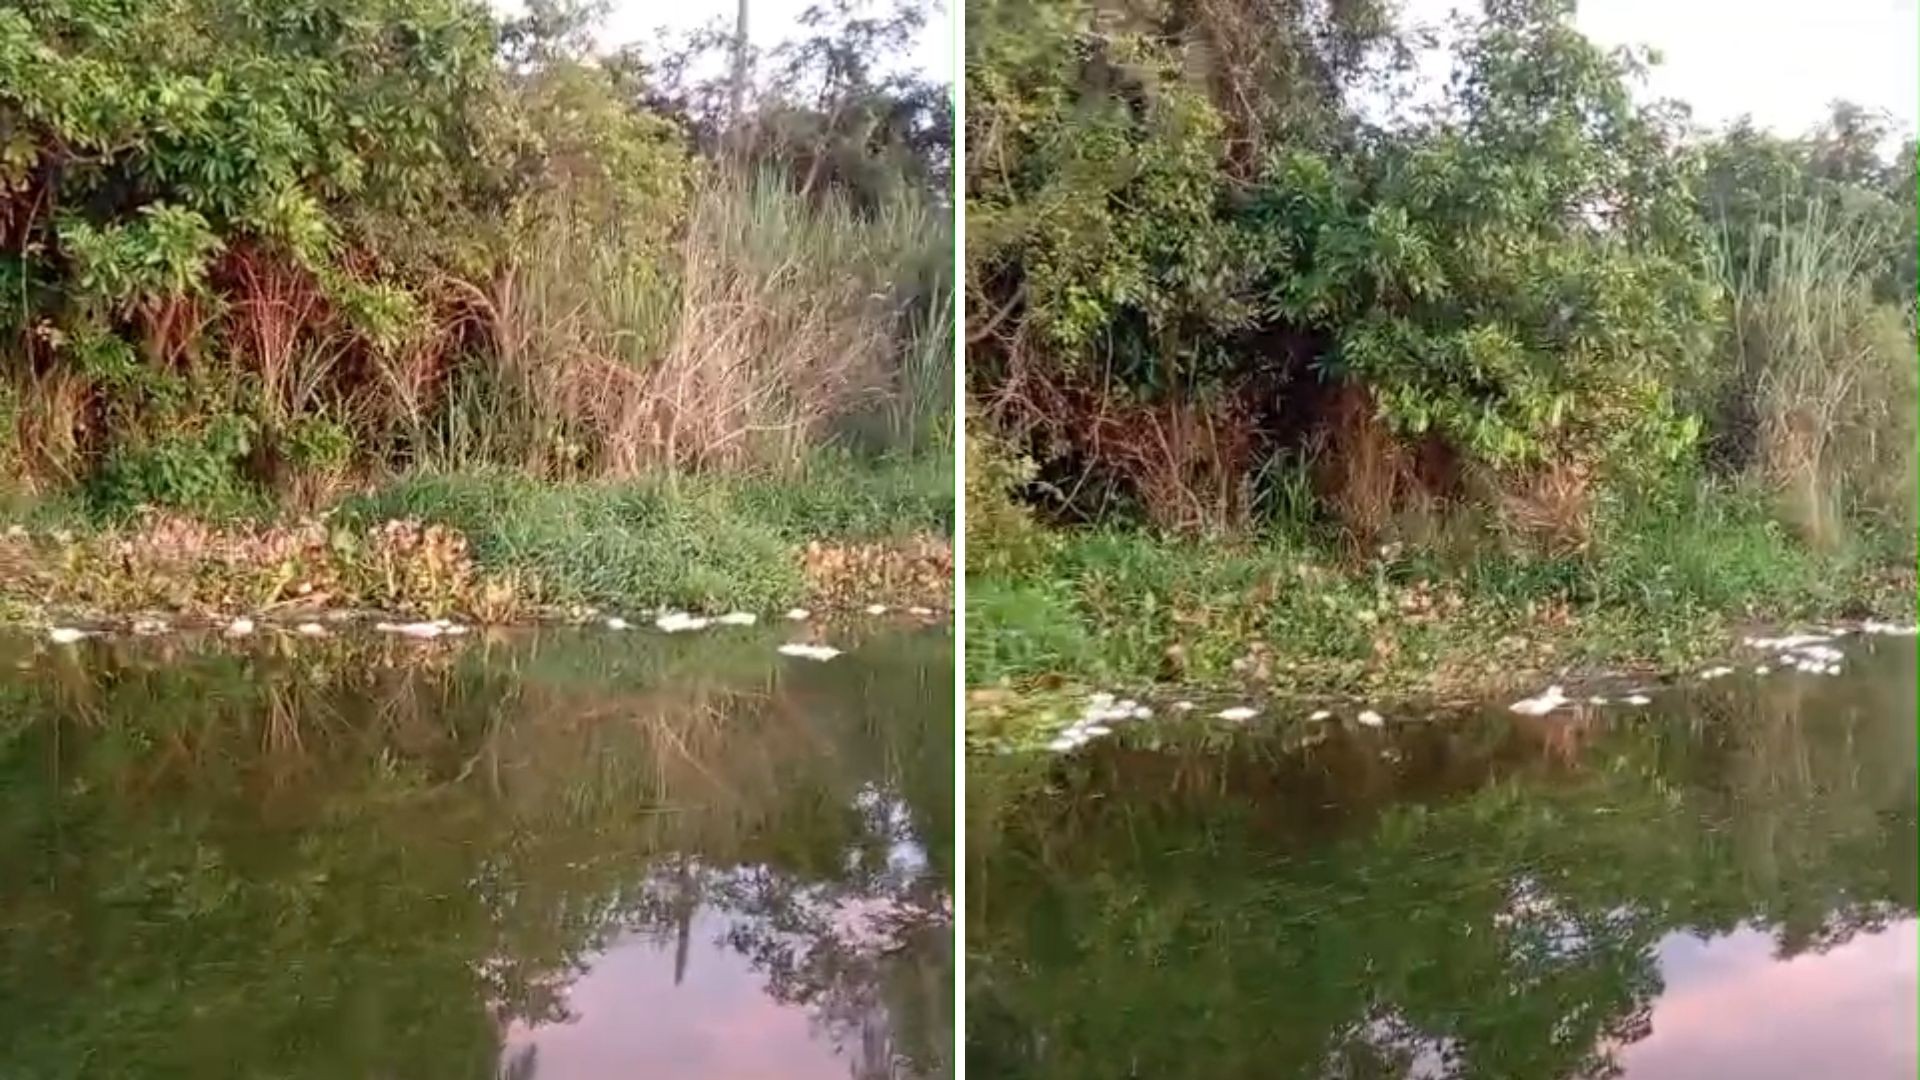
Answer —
1722 885
557 856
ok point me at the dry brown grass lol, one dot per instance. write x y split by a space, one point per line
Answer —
917 570
1188 461
1364 472
778 321
167 562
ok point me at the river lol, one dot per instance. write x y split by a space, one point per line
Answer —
1721 884
561 854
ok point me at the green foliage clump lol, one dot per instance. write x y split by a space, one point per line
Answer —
1520 273
632 547
383 234
202 470
1510 360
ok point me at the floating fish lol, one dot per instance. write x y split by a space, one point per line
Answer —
1370 718
738 618
412 629
615 622
311 629
1638 699
674 622
1237 713
1792 641
240 627
921 611
1183 706
876 609
809 652
1542 703
67 635
798 614
1716 673
1321 714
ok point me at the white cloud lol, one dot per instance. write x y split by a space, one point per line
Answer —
1782 61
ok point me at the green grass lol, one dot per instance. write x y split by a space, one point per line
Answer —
702 543
839 496
1658 586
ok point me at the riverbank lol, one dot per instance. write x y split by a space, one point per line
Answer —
1057 615
495 548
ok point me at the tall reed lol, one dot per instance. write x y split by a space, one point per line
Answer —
1821 384
780 316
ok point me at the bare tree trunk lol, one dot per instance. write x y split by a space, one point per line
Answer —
736 121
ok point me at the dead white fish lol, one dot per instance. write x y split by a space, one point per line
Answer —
1141 712
149 627
1369 718
799 614
1097 730
1321 714
1637 699
240 627
876 609
1791 641
67 635
1183 706
1597 699
1062 744
1872 626
1715 673
421 630
738 618
1762 669
809 652
923 612
1237 713
1542 703
615 622
311 629
674 622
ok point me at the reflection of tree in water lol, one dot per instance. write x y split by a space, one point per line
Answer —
1458 900
373 863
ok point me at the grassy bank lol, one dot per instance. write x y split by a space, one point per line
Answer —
1657 589
499 547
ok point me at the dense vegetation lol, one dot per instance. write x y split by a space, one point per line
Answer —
256 255
1274 341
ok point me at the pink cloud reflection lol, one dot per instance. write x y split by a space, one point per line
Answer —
1731 1009
719 1024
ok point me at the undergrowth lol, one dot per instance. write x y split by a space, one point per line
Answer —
705 543
1659 586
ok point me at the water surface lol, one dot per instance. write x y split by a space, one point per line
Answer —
1722 885
565 855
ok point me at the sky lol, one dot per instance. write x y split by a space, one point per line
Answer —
1782 61
769 22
